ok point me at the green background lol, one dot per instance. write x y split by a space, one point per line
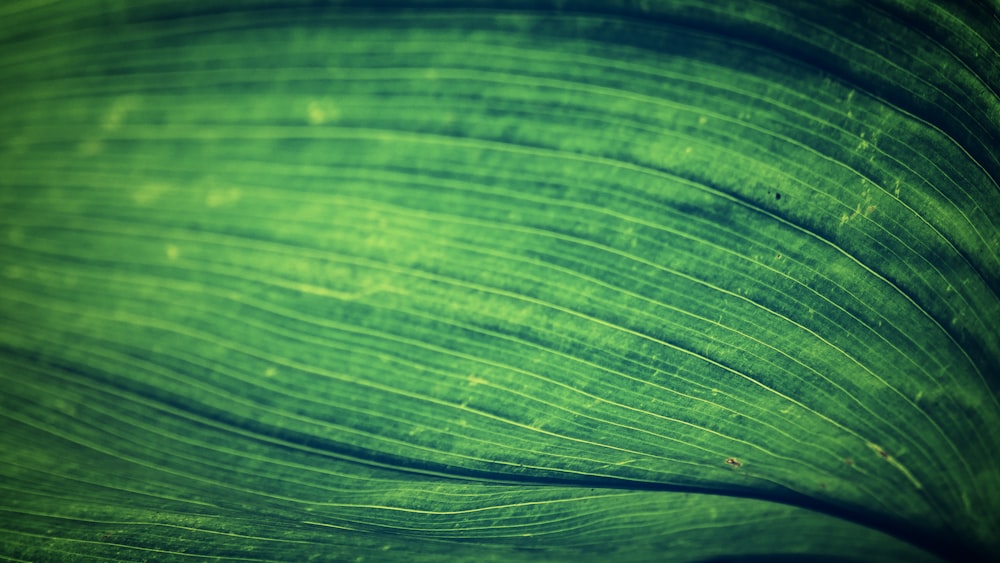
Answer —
569 281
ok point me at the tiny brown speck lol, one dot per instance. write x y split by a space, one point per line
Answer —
734 462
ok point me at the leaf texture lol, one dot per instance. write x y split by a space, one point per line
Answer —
658 281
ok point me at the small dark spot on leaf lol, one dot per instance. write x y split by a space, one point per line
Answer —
777 195
734 462
884 454
849 461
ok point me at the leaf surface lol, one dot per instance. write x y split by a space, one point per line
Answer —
347 282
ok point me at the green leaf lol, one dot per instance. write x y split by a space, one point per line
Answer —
518 281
